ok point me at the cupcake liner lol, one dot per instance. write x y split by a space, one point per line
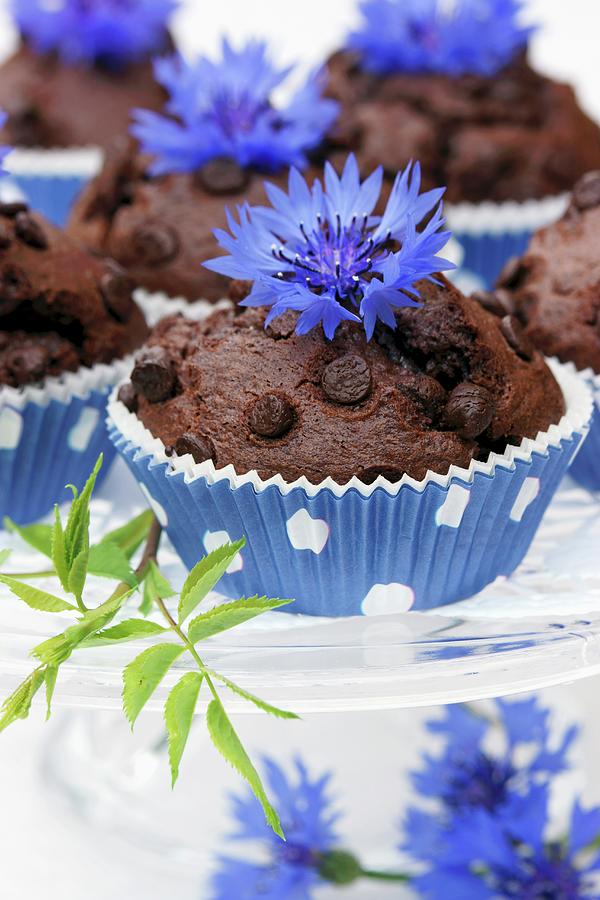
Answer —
51 435
157 306
586 466
342 550
492 233
50 180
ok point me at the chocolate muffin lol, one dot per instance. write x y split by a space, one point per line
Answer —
52 104
516 135
160 228
60 307
449 385
554 289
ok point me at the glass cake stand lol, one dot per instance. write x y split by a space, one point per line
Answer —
537 629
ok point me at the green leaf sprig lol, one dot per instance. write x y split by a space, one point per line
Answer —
72 559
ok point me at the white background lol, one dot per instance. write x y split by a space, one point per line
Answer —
44 852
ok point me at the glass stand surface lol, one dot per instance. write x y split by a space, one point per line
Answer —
537 629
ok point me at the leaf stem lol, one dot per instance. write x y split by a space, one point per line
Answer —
385 876
189 646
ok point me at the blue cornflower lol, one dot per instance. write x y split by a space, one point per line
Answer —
291 868
114 31
322 252
468 778
467 36
225 109
4 150
487 857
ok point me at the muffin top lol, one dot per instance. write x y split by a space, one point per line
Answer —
54 104
555 287
161 228
449 385
514 135
60 307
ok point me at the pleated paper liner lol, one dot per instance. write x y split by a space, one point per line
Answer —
51 435
492 233
158 305
343 550
586 468
50 180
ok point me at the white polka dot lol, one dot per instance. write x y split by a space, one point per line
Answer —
80 434
386 599
11 428
213 540
453 508
529 491
306 533
156 507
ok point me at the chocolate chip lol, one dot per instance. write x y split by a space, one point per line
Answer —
222 176
470 410
347 379
10 210
499 303
154 374
128 397
30 231
117 288
27 364
586 192
517 338
154 244
513 274
271 416
25 126
14 288
5 236
239 290
200 447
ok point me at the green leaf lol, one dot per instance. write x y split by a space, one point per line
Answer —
228 744
229 615
57 649
35 598
142 676
145 606
78 574
155 586
4 554
58 552
37 536
158 583
131 535
205 575
179 714
262 704
78 522
18 705
128 630
50 679
108 560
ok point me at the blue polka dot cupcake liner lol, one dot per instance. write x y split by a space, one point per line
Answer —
356 549
492 233
51 180
586 467
51 435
